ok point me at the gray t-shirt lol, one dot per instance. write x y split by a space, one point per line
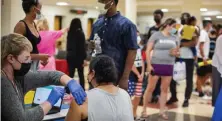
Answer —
162 47
103 106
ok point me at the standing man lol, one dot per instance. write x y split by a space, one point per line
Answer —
203 50
158 16
186 56
116 36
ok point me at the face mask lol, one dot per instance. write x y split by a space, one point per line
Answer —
90 81
173 31
138 39
157 20
38 15
105 4
25 67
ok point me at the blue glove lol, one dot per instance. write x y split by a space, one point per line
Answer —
77 92
55 95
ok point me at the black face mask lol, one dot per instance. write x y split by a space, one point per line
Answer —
157 20
25 67
90 81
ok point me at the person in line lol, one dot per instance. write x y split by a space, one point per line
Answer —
217 81
106 102
17 80
116 36
188 32
27 27
158 16
48 41
217 70
76 52
186 56
213 38
219 29
165 48
136 78
203 50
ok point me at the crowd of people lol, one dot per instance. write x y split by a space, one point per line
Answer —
122 64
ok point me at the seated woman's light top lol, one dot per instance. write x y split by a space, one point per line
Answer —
105 102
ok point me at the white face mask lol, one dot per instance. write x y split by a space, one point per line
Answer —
138 39
138 42
38 14
105 4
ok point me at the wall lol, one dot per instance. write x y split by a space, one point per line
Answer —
50 11
13 13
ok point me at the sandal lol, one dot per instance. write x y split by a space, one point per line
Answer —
144 115
164 116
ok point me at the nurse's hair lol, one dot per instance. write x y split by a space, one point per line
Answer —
14 44
168 22
104 68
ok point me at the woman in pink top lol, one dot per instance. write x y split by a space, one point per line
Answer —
48 42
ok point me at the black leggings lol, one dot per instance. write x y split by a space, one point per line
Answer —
189 80
80 73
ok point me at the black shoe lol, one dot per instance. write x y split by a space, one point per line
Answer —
155 99
201 94
186 103
171 101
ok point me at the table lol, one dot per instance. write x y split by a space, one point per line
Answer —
62 114
62 65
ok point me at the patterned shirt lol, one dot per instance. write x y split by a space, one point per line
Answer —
117 35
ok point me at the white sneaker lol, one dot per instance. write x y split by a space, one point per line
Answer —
205 97
195 93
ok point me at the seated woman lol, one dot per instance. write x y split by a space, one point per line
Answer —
105 102
17 80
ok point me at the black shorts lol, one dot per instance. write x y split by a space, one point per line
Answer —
203 70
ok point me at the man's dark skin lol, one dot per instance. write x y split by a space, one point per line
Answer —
131 54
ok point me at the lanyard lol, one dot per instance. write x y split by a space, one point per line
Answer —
13 83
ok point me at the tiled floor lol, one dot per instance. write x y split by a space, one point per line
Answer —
199 109
176 117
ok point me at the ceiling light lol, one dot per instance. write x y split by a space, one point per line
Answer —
164 10
203 9
219 17
97 7
62 3
207 18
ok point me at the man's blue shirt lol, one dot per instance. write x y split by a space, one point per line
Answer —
118 35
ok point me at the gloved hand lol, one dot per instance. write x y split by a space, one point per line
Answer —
55 95
77 92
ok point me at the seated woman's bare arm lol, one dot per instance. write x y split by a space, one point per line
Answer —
77 112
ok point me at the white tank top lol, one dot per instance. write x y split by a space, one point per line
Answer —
104 106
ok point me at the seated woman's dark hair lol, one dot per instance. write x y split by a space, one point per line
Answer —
105 69
27 4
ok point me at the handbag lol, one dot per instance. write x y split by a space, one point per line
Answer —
179 71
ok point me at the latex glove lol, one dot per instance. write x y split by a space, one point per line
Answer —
77 92
55 95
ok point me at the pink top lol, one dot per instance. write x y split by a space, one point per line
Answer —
48 41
